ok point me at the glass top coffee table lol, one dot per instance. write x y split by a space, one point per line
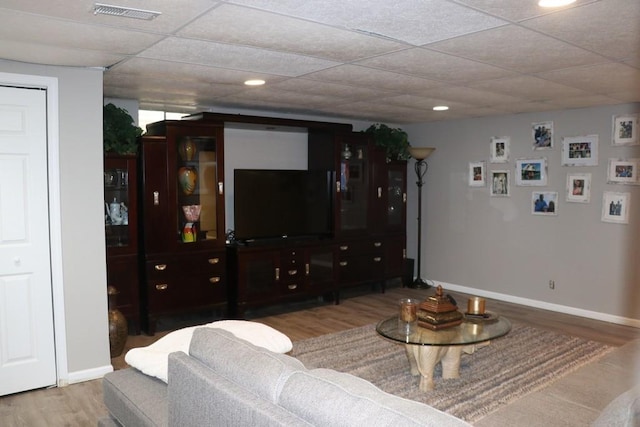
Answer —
425 347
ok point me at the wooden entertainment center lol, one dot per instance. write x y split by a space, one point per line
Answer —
187 264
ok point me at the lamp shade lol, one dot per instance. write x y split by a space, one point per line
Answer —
421 153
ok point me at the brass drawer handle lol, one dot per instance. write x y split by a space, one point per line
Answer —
404 197
337 186
377 259
404 253
160 267
377 244
213 260
214 279
344 247
162 286
343 263
277 273
292 272
306 269
292 287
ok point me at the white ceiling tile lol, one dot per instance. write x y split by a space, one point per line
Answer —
18 26
517 49
471 96
423 103
175 13
517 10
54 55
435 65
414 21
583 101
599 79
609 28
235 57
229 23
529 87
316 87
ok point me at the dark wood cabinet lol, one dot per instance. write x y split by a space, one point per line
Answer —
120 192
182 217
277 273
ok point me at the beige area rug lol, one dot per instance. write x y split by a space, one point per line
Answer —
523 361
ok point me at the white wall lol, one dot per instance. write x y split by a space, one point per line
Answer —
495 245
82 228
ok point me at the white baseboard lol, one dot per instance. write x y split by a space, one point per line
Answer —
542 305
85 375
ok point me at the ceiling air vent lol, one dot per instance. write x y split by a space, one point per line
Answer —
127 12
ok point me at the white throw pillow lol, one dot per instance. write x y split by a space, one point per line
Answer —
152 360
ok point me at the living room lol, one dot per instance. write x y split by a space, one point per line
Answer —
472 242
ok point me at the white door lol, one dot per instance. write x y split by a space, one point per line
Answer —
27 348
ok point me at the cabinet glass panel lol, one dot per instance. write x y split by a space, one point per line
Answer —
353 187
321 267
116 193
395 199
197 189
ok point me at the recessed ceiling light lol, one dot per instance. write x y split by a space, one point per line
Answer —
126 12
440 108
555 3
254 82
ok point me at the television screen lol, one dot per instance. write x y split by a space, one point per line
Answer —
282 203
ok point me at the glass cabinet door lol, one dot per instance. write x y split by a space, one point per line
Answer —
353 187
119 205
396 198
198 188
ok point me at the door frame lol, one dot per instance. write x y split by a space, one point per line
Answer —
50 84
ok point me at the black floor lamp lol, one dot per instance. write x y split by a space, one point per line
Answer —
421 166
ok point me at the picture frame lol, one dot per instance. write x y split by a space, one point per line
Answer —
578 187
500 183
531 172
477 174
615 207
625 130
580 150
624 171
499 150
544 203
542 135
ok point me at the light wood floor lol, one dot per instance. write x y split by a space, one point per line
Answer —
81 404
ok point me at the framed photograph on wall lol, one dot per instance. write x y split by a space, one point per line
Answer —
615 207
544 203
477 174
580 150
625 130
623 171
500 185
500 149
531 172
542 133
578 187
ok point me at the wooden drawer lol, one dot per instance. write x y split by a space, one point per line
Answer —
361 268
359 247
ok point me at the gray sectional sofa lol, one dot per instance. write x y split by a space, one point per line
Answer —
227 381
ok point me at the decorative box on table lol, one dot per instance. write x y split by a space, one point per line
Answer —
438 312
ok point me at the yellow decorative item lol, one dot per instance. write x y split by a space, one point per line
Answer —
187 178
187 150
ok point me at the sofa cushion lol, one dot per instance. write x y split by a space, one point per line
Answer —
199 396
623 411
325 397
135 399
152 359
255 368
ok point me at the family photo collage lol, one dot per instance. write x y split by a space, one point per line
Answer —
575 151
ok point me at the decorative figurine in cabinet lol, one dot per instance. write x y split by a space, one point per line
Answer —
120 217
183 220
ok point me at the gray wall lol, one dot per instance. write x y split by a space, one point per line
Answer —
495 246
82 228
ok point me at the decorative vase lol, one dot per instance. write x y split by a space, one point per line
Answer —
187 150
187 178
118 329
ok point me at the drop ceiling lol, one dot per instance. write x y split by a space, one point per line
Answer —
374 60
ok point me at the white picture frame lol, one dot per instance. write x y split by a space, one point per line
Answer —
544 203
615 207
499 149
580 150
623 171
477 174
542 135
578 187
625 130
531 172
500 183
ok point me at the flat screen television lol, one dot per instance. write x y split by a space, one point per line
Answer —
277 204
